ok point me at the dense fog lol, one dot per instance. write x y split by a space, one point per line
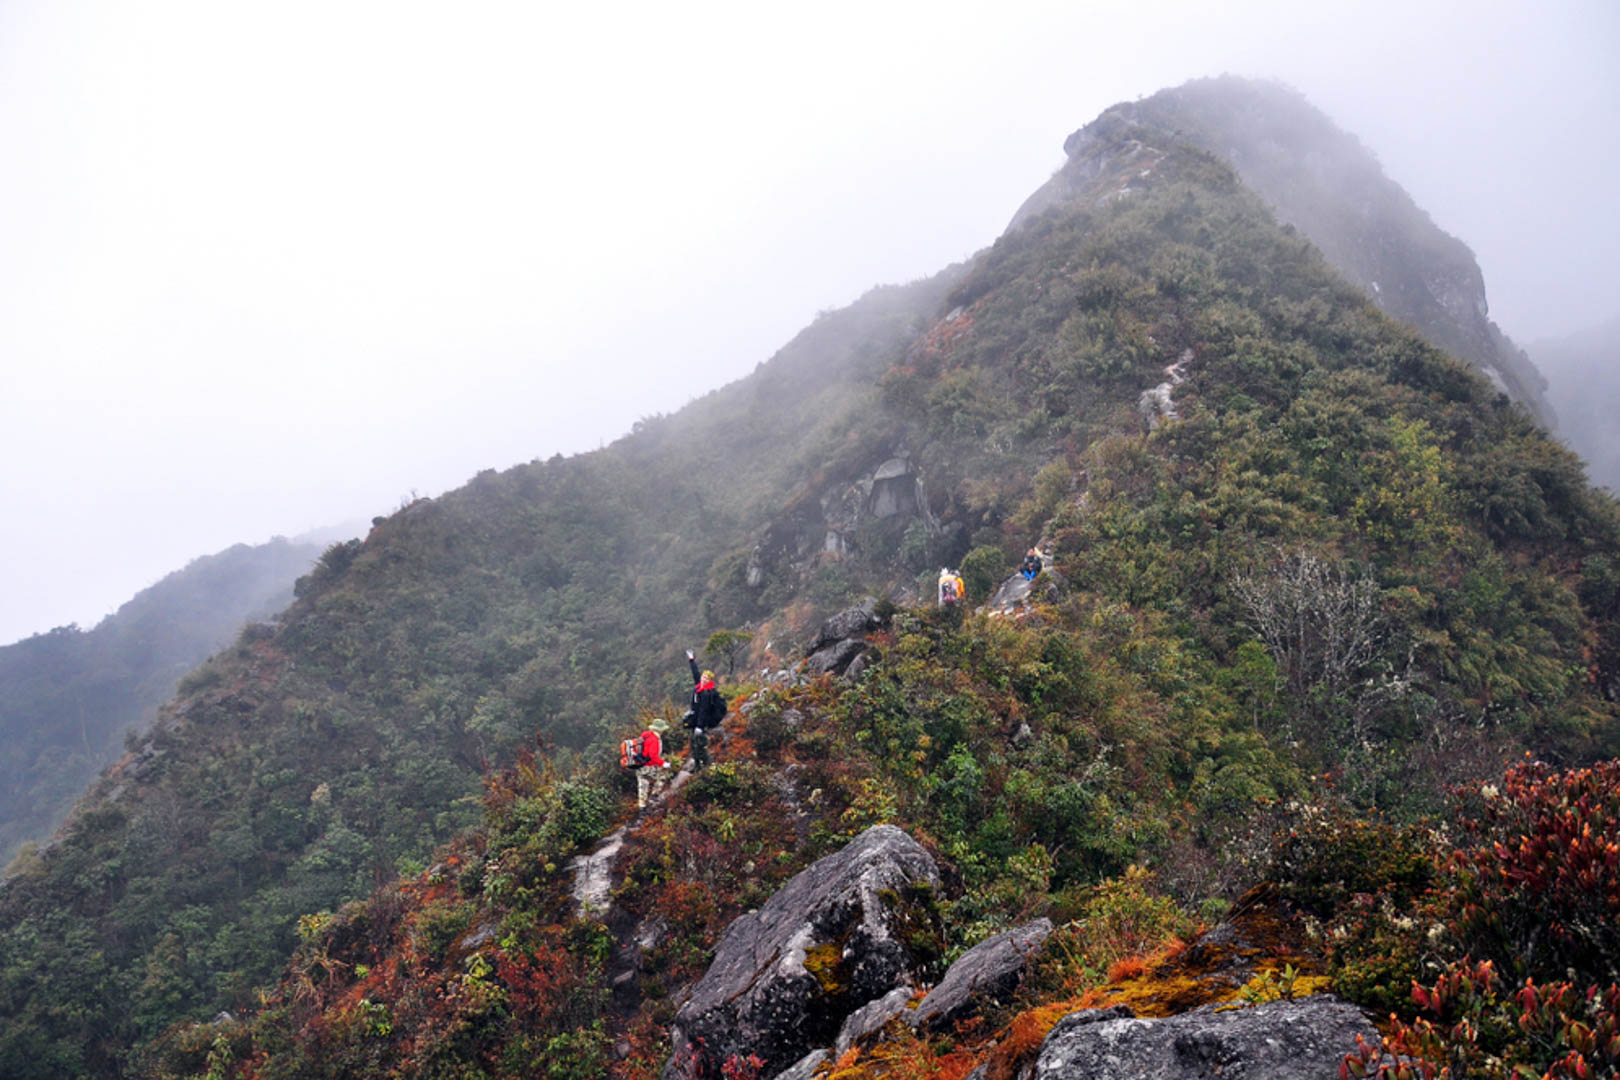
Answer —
264 270
1583 378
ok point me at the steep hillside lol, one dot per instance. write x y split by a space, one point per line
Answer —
1292 540
68 697
1322 181
1583 384
348 739
490 963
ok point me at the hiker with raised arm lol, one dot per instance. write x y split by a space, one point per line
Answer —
708 709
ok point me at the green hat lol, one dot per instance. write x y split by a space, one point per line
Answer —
658 725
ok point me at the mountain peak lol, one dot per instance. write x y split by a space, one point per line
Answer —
1321 180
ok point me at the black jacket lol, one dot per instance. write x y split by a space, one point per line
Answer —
708 706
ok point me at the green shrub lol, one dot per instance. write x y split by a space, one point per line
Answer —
983 569
1328 857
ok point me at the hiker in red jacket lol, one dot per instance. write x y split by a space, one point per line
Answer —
653 773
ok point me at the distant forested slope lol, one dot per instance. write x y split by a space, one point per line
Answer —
68 696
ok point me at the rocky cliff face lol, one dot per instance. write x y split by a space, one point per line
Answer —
1323 182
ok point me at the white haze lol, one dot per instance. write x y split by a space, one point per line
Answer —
267 266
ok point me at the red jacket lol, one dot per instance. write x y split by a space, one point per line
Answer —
652 748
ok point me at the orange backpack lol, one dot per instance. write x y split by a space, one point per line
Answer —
631 754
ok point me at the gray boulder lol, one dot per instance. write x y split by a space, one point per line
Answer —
987 973
850 623
805 1067
835 658
785 978
1280 1040
1017 590
871 1017
1012 591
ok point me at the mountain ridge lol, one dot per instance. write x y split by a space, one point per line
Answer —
960 419
1321 180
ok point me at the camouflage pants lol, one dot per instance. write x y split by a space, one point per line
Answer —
700 749
650 780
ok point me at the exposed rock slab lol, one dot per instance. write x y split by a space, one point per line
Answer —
1280 1040
985 974
1017 590
870 1018
1012 591
805 1067
786 977
850 623
835 658
593 873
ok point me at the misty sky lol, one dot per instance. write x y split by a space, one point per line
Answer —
267 267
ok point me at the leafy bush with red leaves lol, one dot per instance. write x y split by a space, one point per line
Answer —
1476 1028
1540 880
1535 889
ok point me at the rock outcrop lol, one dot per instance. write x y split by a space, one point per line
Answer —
850 623
838 515
805 1067
1016 591
987 973
593 872
842 640
785 978
870 1018
1279 1040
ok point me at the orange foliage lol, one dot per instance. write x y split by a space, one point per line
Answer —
906 1057
1127 967
1023 1037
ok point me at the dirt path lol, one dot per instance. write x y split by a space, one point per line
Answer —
593 873
1158 404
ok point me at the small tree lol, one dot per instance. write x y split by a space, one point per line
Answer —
1321 624
729 644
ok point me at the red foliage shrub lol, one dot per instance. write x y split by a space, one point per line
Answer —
1541 879
1552 1031
1536 888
